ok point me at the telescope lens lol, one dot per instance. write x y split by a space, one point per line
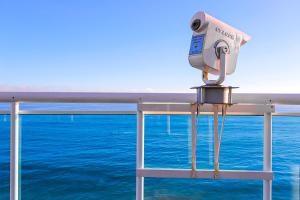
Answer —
196 24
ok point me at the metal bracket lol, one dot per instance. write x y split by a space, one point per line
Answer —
223 50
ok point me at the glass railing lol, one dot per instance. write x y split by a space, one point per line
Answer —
92 155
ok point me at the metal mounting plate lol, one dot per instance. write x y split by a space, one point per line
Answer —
214 94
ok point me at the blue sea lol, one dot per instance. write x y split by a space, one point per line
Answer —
93 156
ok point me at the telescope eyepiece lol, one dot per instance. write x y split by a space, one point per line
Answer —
196 25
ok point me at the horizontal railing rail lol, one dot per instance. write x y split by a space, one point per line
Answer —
82 112
121 97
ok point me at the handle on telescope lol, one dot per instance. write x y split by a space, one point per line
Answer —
223 51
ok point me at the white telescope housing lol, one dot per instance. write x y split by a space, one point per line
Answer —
214 47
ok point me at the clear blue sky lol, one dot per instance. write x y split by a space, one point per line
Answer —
104 45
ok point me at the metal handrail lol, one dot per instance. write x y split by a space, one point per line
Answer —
122 97
89 112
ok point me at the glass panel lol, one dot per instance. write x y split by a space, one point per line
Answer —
78 106
78 157
192 189
242 148
4 156
286 157
287 108
4 107
93 156
168 142
242 143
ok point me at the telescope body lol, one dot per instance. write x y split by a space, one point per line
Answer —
209 35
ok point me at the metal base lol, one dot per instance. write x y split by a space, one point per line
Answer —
214 94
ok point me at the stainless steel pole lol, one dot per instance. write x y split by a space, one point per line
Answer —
267 185
14 151
216 137
140 155
194 141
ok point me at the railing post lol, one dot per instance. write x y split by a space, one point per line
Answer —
140 154
194 140
14 151
216 137
267 185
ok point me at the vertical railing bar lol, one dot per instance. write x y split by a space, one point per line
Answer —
216 137
14 151
140 154
194 139
267 184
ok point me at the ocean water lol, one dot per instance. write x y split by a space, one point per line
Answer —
93 156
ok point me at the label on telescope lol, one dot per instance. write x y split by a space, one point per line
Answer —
196 44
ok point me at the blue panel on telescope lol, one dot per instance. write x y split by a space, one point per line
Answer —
196 44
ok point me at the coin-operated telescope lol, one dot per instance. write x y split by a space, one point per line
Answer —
214 49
